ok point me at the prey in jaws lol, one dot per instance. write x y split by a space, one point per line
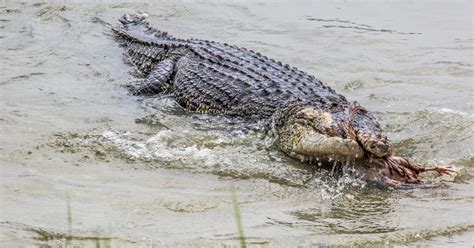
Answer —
348 132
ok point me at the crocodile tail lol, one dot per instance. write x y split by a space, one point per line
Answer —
127 19
143 44
136 28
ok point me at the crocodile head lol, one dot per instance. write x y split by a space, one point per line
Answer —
367 131
311 132
332 131
323 132
375 143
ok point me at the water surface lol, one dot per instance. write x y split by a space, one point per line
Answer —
83 163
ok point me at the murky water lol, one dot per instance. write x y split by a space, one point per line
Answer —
83 163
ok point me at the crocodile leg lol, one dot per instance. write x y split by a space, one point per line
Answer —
157 80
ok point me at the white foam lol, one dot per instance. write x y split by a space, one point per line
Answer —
451 111
132 148
157 147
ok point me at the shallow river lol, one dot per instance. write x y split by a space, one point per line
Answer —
83 163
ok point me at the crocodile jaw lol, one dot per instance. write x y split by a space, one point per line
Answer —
303 141
315 144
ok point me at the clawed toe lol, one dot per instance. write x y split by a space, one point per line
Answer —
440 170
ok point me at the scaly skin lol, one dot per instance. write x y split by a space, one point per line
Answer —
310 119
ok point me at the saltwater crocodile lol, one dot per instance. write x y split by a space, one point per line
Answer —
310 120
